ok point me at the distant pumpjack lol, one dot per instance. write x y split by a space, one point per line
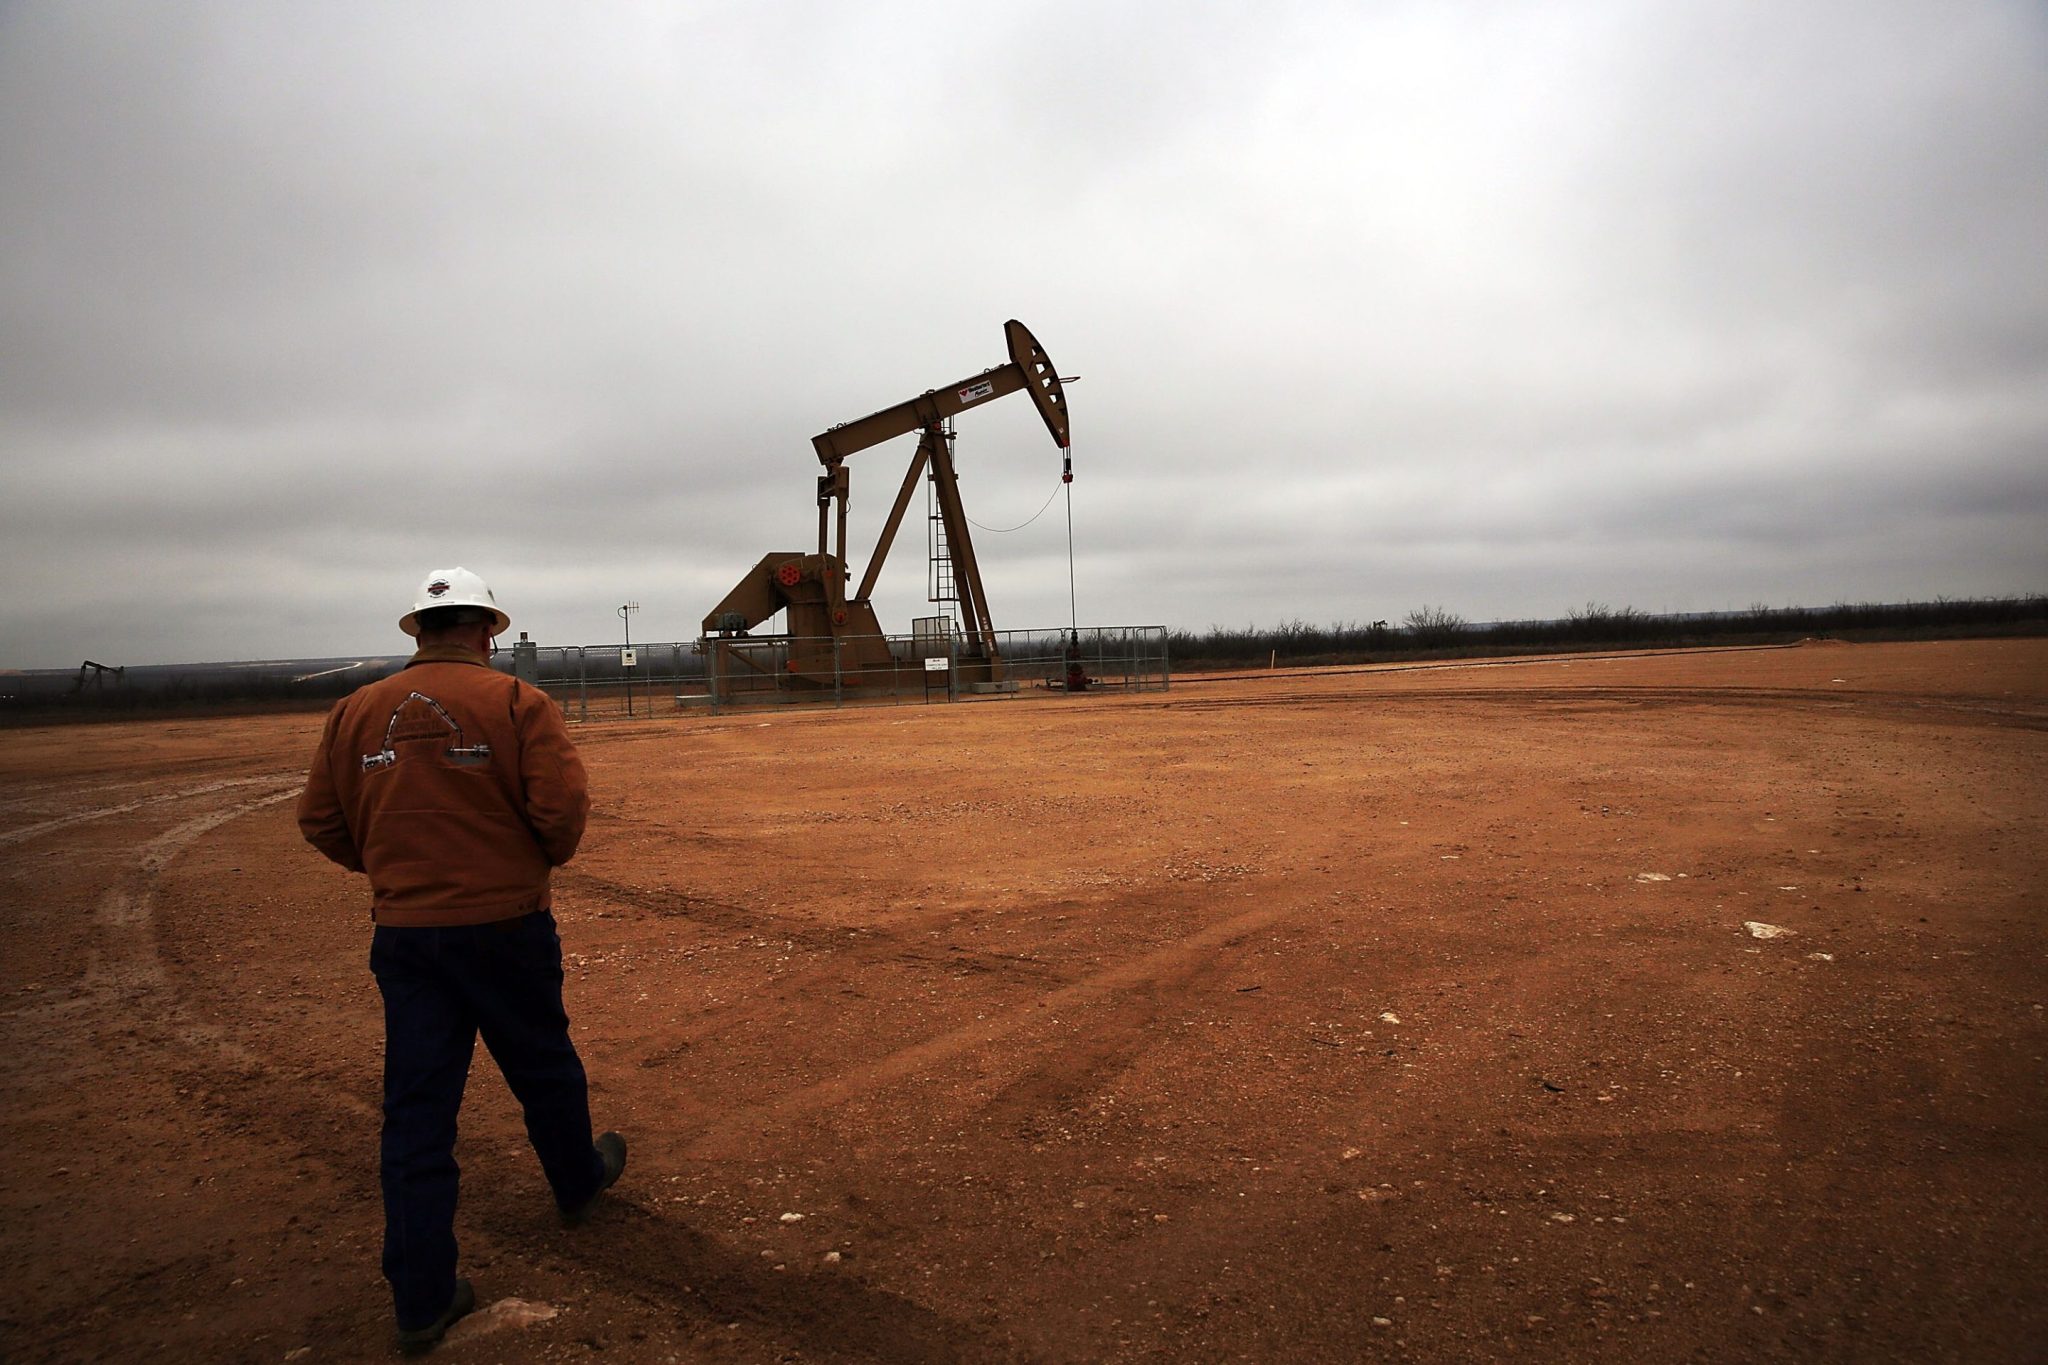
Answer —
97 674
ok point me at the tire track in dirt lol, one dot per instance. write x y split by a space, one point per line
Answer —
65 792
14 836
841 951
892 943
123 1020
1061 1079
741 1132
128 965
706 911
845 955
662 1262
1579 700
126 976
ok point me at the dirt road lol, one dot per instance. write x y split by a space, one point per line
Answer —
1371 1015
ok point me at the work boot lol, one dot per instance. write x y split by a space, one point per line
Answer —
611 1148
421 1340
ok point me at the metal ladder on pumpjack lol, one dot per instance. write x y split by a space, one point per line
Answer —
940 576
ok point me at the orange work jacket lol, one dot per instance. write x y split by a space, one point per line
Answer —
455 787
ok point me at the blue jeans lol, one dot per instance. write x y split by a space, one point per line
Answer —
441 987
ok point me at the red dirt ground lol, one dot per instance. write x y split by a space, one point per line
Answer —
1371 1015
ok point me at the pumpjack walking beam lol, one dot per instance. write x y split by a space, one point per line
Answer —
1029 370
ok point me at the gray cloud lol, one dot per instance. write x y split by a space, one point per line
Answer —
1681 306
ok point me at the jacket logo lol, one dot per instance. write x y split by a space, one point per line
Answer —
419 718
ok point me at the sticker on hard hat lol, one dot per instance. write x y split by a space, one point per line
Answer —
974 393
437 587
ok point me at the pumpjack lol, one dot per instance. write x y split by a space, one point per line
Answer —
94 675
833 635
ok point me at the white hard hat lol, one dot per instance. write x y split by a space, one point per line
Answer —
454 588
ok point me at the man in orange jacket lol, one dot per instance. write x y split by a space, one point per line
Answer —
457 789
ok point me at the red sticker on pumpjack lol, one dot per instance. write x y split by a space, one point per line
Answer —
974 393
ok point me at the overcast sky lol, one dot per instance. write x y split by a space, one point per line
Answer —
1502 307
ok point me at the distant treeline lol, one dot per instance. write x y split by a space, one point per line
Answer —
1438 632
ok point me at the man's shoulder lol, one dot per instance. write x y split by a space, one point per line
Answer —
443 682
461 684
449 682
370 694
528 698
448 674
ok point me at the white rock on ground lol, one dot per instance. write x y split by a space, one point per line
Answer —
1758 929
500 1315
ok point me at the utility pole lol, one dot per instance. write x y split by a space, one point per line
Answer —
626 659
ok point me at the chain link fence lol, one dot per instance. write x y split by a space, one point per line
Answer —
614 682
932 664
